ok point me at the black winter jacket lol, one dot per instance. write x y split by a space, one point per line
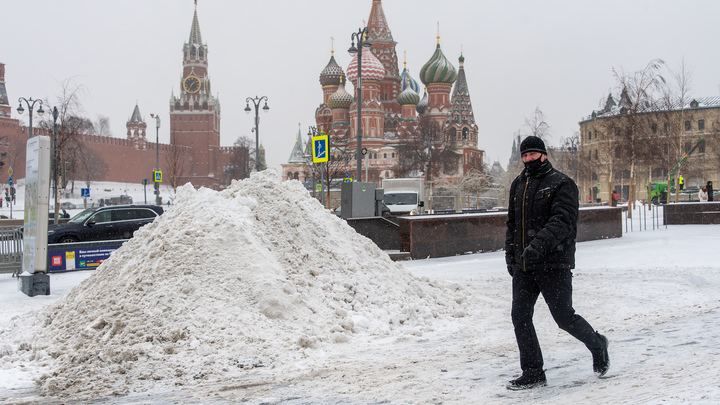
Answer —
542 212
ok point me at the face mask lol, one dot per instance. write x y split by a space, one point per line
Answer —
533 165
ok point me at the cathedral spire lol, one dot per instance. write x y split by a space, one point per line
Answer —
136 117
460 100
378 30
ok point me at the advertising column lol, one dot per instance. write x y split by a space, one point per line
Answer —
34 279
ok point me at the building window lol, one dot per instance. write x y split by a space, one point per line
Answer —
384 155
701 146
465 132
688 125
387 174
393 155
688 146
701 125
595 154
653 128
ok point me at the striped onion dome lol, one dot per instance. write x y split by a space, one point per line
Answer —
423 104
372 68
331 74
407 81
408 96
341 98
438 69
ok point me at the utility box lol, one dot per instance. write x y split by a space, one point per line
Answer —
357 200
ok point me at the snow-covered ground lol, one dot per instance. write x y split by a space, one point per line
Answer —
654 294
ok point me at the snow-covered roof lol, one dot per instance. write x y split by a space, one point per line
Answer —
611 109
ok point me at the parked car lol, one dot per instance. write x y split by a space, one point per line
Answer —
104 223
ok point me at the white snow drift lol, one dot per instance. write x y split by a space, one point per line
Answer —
254 276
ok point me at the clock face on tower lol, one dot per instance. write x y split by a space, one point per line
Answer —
191 84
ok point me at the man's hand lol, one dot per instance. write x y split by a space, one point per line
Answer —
531 254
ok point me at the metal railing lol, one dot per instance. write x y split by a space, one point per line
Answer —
11 250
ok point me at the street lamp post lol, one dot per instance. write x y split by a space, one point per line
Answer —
157 157
53 164
361 37
31 106
256 103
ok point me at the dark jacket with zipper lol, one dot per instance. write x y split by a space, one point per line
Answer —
542 212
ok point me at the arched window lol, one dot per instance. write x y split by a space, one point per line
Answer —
465 132
296 176
290 176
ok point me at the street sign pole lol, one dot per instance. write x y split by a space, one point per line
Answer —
320 155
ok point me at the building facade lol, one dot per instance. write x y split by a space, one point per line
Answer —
405 135
193 155
623 147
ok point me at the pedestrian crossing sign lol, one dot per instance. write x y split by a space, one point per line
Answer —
157 176
320 145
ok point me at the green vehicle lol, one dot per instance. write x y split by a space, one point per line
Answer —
657 191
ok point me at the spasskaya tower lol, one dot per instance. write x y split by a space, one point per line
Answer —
195 116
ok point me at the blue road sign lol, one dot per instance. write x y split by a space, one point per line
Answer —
10 181
85 192
320 148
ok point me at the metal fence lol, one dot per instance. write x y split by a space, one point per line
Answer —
11 250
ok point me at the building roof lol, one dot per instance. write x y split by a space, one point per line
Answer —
438 69
136 117
195 37
611 109
460 104
408 97
378 30
407 81
340 98
297 155
332 73
372 68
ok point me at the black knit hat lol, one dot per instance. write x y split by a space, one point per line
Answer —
532 144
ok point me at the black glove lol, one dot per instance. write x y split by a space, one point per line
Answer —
531 254
510 270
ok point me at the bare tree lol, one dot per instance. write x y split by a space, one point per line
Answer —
338 164
537 125
175 162
102 126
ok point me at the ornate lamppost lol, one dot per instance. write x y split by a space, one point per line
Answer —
157 157
256 103
362 42
31 106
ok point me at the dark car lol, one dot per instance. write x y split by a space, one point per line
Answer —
104 223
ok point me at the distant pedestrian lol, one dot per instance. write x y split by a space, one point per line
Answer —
709 188
615 198
540 254
702 194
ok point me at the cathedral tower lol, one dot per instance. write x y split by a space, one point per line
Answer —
383 47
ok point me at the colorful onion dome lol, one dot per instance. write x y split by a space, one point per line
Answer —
407 81
372 68
423 104
408 96
331 74
438 69
341 98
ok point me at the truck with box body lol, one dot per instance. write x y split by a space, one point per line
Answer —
404 196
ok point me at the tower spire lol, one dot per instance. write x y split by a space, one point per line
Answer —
378 30
437 37
195 37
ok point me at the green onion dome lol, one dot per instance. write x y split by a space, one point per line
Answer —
408 97
438 69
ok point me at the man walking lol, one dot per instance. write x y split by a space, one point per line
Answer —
540 253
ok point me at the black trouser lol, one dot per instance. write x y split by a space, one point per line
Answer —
556 288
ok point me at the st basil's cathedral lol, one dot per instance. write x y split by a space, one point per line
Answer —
396 121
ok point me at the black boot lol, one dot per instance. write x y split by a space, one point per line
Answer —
601 359
530 378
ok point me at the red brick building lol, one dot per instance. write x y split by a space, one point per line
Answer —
394 114
194 153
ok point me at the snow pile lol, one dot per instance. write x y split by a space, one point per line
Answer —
254 276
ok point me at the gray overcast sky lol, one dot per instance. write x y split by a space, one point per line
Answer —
557 55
